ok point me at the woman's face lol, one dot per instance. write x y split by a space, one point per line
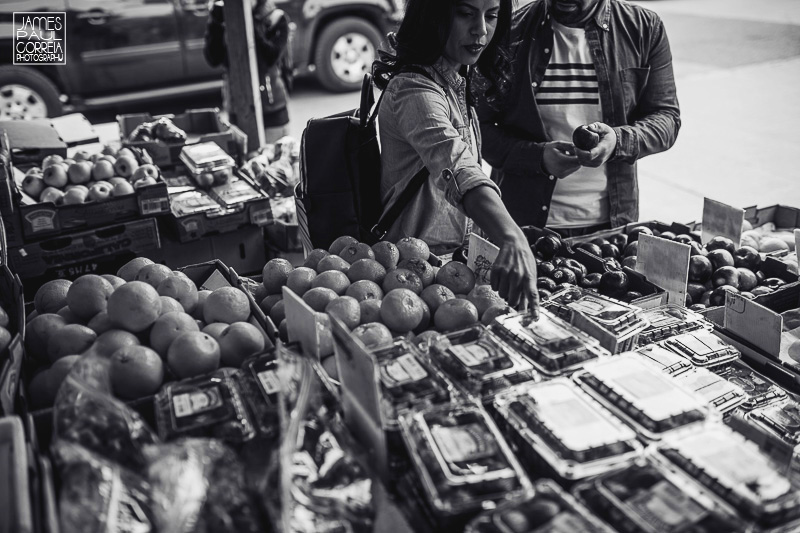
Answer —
473 28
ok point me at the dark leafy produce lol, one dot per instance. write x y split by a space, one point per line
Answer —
584 138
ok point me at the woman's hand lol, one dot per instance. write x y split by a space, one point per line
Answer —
514 275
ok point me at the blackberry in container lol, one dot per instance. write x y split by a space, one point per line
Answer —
651 402
670 320
701 348
759 390
553 346
781 419
461 462
669 362
714 389
260 386
558 423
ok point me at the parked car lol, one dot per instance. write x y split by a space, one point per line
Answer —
122 51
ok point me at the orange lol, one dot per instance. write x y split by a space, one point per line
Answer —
115 281
180 287
226 304
167 328
39 389
455 314
434 295
400 278
215 329
364 290
373 334
51 296
370 310
366 269
283 331
402 310
313 258
493 312
88 295
71 339
300 280
239 341
153 274
457 277
356 251
170 304
329 365
426 318
420 267
332 279
129 270
332 262
136 371
484 297
413 248
5 338
193 354
258 290
70 316
278 312
325 335
319 297
202 295
112 340
57 373
341 243
269 302
134 306
275 274
38 332
346 309
386 253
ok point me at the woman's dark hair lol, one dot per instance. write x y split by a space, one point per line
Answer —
422 37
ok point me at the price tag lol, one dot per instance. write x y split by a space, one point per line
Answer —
665 263
480 258
302 322
754 323
797 245
722 220
361 395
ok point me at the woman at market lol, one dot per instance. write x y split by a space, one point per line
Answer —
426 120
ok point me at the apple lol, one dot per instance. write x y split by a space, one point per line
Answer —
591 248
33 185
718 294
629 262
74 186
80 172
95 157
110 158
82 155
122 188
102 170
51 159
204 180
584 138
221 176
51 194
720 258
695 290
149 171
55 175
683 238
34 170
68 161
548 246
125 151
705 299
721 243
609 250
747 279
108 150
700 268
126 165
564 275
747 257
100 191
632 248
75 196
726 275
633 233
144 182
600 241
620 240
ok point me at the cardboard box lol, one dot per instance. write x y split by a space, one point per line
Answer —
75 130
655 225
30 141
12 301
200 125
97 251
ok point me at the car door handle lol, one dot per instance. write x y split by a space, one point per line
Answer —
95 16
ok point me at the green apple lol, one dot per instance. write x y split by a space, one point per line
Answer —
51 160
144 182
102 170
51 194
33 185
100 191
75 196
55 175
122 188
126 165
82 155
147 170
80 172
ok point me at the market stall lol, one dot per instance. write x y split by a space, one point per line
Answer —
172 363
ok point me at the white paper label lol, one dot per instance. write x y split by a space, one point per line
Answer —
471 354
190 403
404 369
269 380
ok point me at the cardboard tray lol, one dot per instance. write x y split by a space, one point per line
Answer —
11 358
656 225
200 125
30 141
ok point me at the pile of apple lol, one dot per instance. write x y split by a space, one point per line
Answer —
88 177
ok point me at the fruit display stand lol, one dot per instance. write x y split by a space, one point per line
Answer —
15 496
12 333
656 225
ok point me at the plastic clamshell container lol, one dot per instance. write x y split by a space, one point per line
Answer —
670 320
652 402
702 348
551 510
670 362
553 346
205 406
461 460
260 386
781 419
716 390
408 381
648 497
205 157
563 425
759 390
738 472
480 363
15 499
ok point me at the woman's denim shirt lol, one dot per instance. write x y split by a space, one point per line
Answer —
424 121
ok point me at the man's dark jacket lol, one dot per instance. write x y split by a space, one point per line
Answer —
633 62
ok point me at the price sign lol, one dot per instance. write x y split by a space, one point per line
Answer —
361 394
797 244
754 323
722 220
480 258
302 323
665 263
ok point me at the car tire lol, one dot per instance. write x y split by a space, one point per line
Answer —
344 53
26 93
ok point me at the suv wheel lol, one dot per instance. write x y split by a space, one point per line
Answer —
345 51
26 93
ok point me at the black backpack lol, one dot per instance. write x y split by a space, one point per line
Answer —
340 177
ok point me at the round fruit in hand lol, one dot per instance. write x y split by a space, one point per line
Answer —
584 138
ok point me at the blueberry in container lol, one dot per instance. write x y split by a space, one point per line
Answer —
670 362
702 348
670 320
